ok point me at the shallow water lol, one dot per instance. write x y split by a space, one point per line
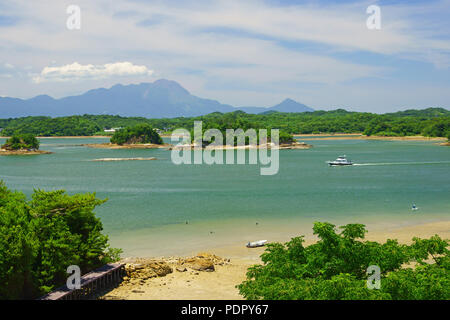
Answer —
150 201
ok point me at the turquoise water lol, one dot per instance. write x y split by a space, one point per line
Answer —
150 201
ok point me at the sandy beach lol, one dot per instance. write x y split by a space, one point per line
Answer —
326 134
4 152
363 137
127 146
123 159
220 283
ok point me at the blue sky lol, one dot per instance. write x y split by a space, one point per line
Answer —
244 53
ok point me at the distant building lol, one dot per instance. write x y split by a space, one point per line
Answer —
111 130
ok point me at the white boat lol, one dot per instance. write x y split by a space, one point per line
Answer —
256 244
414 207
340 161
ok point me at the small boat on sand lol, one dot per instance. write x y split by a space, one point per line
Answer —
256 244
340 161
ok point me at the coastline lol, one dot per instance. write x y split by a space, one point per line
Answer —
286 146
61 137
309 136
403 234
220 284
4 152
127 146
326 134
388 138
122 159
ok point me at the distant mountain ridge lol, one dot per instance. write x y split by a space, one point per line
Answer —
288 105
160 99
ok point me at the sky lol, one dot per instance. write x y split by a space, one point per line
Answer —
244 53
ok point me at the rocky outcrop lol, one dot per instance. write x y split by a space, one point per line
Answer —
139 270
202 262
142 269
295 145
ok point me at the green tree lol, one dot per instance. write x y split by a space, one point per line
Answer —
141 133
335 268
21 141
40 238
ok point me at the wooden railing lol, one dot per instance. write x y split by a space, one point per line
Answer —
92 282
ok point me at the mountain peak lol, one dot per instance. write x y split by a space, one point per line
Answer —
42 97
289 105
159 99
170 85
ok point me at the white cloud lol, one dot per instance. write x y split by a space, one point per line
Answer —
76 71
241 52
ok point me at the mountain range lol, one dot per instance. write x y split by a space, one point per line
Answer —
160 99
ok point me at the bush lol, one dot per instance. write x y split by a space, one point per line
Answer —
22 141
335 268
286 137
141 133
40 238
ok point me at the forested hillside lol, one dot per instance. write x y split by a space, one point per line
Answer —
433 122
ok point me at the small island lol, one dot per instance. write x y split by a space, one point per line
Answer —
123 159
23 144
286 141
446 144
141 136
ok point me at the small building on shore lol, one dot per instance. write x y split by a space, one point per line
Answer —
112 130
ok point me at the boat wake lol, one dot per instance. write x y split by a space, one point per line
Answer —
400 163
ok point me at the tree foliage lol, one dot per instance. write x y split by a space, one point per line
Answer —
427 122
335 268
46 126
21 141
40 238
141 133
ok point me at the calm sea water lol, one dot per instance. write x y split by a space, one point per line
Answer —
150 201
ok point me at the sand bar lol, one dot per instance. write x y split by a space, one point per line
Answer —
4 152
124 159
127 146
362 137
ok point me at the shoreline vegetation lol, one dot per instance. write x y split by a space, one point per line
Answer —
283 146
364 137
43 235
294 145
230 265
430 122
320 136
21 144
